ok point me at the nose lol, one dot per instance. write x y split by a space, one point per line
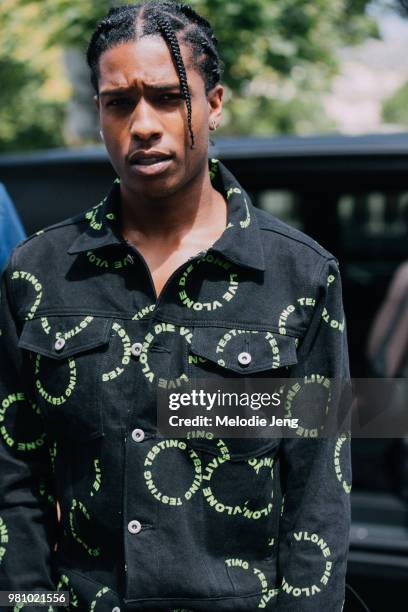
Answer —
145 124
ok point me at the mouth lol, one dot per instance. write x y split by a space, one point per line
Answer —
150 163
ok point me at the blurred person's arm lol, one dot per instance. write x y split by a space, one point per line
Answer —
28 517
388 337
316 474
11 229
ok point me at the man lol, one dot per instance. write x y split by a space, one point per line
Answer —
141 292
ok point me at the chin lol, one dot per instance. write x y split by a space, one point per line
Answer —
154 188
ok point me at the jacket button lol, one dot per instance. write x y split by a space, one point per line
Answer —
244 358
59 344
138 435
134 526
116 609
136 349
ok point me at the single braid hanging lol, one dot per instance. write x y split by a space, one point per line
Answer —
171 39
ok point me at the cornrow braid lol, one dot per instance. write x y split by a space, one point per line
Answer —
169 20
171 39
193 16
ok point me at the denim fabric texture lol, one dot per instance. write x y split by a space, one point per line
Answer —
149 524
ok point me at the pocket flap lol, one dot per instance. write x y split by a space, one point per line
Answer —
236 449
244 351
59 337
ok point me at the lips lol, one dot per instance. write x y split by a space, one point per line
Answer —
148 159
150 164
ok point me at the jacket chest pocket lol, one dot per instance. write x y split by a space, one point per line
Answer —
219 354
65 355
230 353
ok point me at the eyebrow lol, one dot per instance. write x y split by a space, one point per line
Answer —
155 87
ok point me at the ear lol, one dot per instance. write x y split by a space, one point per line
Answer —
215 98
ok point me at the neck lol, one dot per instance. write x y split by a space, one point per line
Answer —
193 208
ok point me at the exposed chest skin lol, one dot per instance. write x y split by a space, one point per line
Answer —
163 262
164 255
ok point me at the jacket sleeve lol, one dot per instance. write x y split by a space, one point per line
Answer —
316 472
11 229
28 518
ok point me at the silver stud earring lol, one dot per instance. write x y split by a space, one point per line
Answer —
213 125
101 133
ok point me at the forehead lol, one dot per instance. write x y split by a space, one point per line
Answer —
146 61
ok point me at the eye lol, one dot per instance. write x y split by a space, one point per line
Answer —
119 102
169 97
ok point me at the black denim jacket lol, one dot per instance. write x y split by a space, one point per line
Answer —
149 524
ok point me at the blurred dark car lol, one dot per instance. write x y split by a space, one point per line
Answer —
351 195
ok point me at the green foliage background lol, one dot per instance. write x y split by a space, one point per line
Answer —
395 108
279 57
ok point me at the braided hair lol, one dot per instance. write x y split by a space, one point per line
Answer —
166 18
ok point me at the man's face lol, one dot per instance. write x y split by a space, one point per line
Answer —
144 118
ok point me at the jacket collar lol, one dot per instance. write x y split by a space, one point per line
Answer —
240 243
